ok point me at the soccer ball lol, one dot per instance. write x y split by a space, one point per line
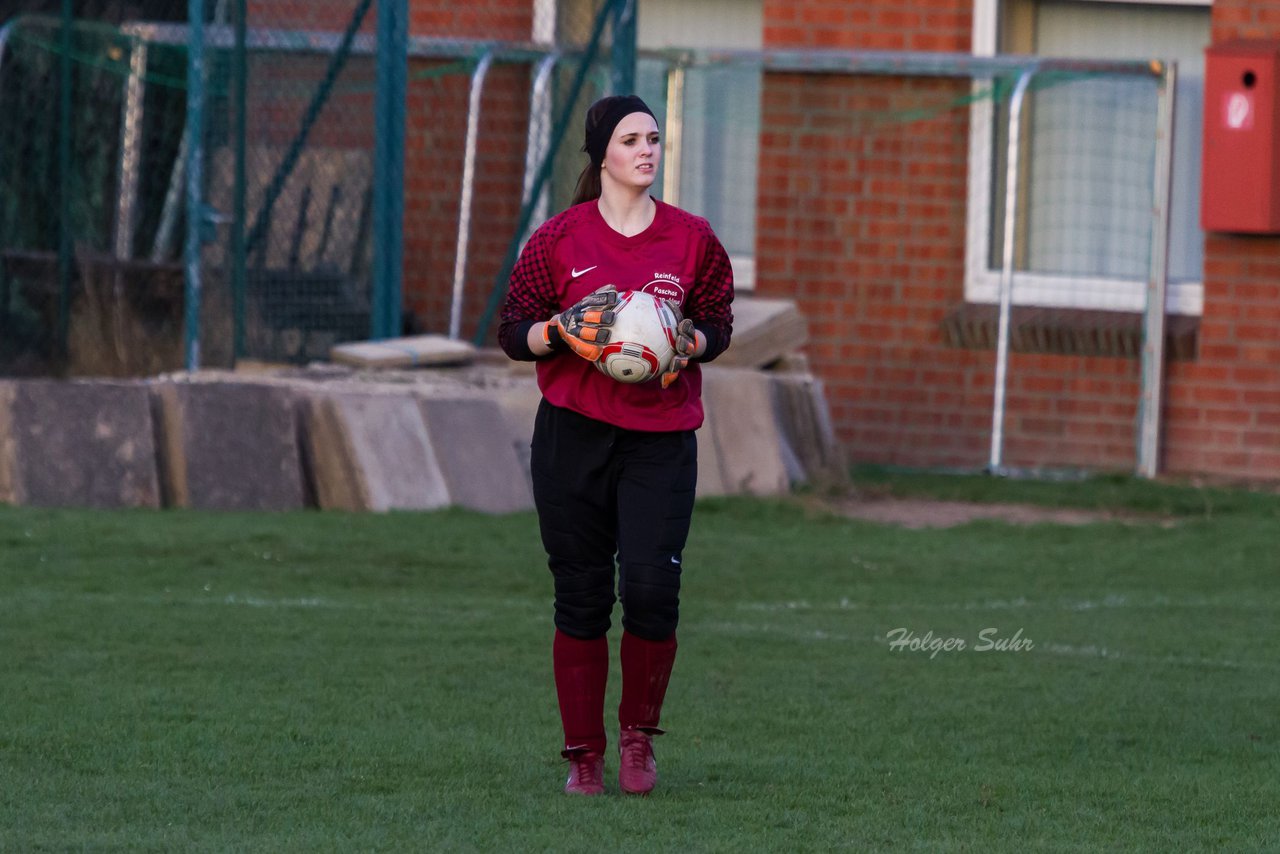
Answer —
642 340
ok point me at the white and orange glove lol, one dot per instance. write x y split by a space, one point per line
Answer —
686 344
584 326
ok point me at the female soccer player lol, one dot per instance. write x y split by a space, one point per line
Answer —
615 466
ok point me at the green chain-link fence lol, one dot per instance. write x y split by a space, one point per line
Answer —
78 286
95 159
289 145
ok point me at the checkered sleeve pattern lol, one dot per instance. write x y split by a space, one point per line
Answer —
709 303
531 292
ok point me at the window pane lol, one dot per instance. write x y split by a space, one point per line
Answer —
1088 164
721 143
1088 202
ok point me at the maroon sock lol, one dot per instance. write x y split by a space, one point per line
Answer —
646 667
581 670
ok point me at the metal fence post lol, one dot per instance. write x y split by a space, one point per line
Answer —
996 465
131 149
539 144
388 167
239 98
65 247
468 193
1153 327
623 53
195 178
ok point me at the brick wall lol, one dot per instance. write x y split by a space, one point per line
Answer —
437 121
1223 414
1245 19
327 15
435 145
941 25
861 219
864 225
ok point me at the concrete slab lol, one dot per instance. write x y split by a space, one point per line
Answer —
77 444
414 352
372 452
519 405
8 445
764 330
330 462
476 455
230 446
745 431
710 467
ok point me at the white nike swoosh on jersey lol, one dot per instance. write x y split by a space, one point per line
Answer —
576 272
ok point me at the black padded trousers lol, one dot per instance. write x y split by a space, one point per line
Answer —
602 491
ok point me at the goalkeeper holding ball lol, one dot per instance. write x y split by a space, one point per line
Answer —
615 466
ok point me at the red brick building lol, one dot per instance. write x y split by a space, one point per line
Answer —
869 235
899 393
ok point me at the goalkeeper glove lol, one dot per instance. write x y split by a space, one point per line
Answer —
584 326
686 343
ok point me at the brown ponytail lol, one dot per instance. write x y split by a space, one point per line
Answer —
588 187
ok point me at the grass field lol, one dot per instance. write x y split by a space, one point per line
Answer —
320 682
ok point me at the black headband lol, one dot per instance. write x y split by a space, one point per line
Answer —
603 117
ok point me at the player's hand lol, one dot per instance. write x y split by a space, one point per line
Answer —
584 326
686 344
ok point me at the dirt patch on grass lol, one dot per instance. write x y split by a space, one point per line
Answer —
935 513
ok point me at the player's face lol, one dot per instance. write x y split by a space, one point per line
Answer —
634 152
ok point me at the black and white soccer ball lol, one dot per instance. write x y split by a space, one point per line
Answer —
642 340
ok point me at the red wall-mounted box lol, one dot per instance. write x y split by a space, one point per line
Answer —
1240 166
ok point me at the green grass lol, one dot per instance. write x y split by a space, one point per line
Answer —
322 682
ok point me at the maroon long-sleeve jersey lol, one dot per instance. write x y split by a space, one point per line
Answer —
678 257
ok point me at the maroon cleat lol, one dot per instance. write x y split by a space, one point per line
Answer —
586 773
639 771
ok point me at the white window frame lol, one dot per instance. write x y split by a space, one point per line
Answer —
982 282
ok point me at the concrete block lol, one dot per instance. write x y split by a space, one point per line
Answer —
329 459
8 445
710 469
414 352
230 446
745 431
372 452
519 405
805 421
794 362
473 446
77 444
